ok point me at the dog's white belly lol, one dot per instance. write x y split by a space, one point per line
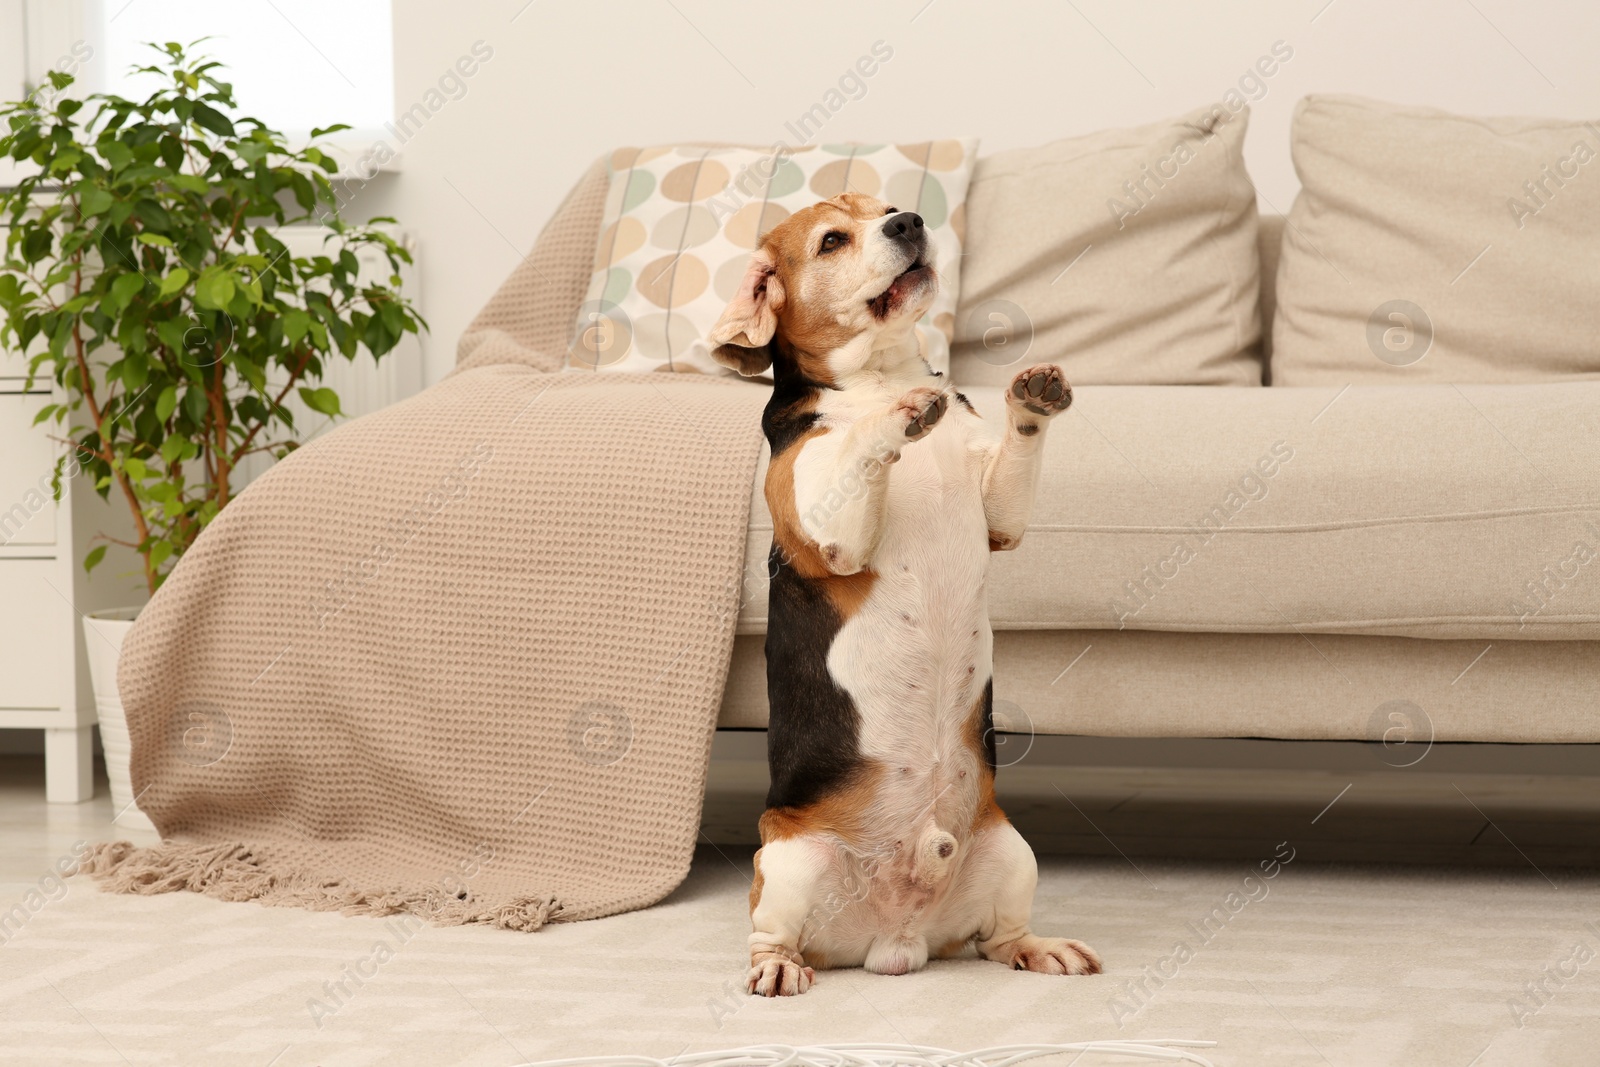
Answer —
873 912
916 655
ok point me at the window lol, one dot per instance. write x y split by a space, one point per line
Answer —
294 64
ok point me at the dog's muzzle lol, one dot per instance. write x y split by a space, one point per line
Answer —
906 230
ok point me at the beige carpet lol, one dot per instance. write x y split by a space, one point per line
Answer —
1348 967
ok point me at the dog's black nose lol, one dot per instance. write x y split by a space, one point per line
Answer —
906 224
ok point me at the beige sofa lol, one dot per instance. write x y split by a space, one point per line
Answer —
1370 553
1370 584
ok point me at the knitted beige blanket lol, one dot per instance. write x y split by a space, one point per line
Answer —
462 657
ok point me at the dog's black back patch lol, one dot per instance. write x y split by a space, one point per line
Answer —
813 729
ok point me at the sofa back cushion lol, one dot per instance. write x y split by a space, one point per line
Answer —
1269 246
1430 247
1129 256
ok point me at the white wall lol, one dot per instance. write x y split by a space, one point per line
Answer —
11 72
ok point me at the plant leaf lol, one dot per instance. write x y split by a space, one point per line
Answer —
94 200
96 554
252 373
173 282
214 289
295 325
65 160
209 118
194 405
135 372
116 153
36 245
166 404
323 400
124 288
160 552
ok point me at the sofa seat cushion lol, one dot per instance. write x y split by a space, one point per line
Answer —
1422 511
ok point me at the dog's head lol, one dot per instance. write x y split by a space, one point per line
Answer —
837 285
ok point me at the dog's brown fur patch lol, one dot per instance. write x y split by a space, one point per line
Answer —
756 883
843 813
847 592
1000 542
987 811
798 550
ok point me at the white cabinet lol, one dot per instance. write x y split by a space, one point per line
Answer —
44 674
27 506
33 656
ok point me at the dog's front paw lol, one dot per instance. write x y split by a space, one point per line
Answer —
1053 955
919 411
774 974
1042 389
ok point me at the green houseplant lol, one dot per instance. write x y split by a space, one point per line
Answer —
142 273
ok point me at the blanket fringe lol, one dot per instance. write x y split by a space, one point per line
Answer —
233 872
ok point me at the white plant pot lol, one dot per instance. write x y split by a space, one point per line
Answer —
103 633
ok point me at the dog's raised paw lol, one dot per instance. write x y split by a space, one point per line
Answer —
776 976
1042 389
1054 955
921 409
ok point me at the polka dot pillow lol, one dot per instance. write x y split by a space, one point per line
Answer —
680 223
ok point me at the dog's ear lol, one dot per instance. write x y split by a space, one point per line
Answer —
740 337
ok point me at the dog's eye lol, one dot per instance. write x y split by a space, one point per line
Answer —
833 239
890 210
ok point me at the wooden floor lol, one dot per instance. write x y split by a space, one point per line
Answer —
1446 815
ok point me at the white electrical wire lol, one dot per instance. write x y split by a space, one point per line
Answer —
881 1055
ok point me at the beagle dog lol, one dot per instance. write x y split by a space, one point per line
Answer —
882 844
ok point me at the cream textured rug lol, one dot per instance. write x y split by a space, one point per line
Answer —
1348 967
460 658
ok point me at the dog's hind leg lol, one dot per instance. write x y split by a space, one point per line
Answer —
783 898
1005 871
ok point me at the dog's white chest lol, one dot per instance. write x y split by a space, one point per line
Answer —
916 655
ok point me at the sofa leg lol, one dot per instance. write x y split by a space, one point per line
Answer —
69 764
